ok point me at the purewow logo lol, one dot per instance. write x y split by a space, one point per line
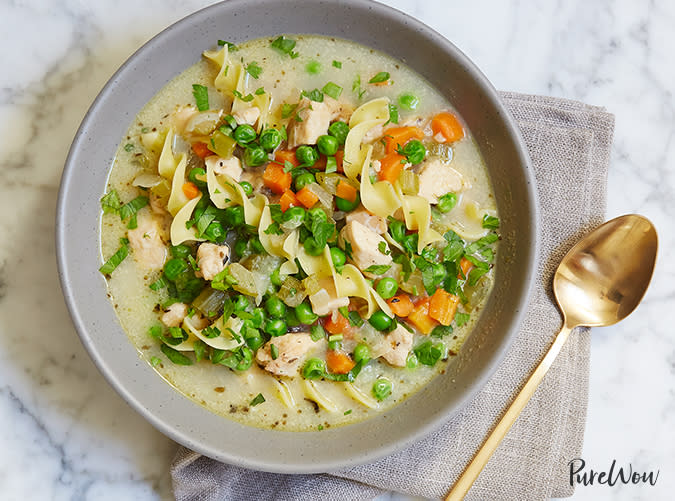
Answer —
579 475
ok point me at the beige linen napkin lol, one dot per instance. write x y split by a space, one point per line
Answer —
569 143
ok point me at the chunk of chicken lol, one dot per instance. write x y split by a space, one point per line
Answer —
371 221
326 299
230 166
314 120
181 116
399 342
248 116
146 243
366 245
175 314
437 178
211 259
292 349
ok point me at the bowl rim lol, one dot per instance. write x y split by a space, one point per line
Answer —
180 436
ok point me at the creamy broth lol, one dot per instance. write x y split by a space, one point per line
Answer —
291 403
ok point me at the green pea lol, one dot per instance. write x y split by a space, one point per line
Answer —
339 131
194 174
214 232
387 287
408 101
303 180
182 251
255 155
337 256
411 361
381 388
380 320
346 205
414 151
306 155
361 352
314 368
270 139
275 307
258 317
244 134
253 338
305 314
234 216
174 267
328 145
397 230
241 303
247 187
275 327
276 278
447 202
294 215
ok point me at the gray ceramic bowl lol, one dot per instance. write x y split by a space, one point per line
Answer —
84 180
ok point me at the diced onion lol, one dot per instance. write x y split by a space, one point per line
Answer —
312 284
245 280
292 292
203 123
146 180
325 198
209 301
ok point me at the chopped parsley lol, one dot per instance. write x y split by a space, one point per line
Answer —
490 222
201 95
247 98
382 76
259 399
155 361
274 351
175 356
110 202
115 260
315 95
285 46
337 64
230 46
128 147
378 269
288 109
461 318
333 90
313 67
254 69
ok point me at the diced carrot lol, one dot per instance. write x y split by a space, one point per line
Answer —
339 158
466 266
190 190
306 197
401 305
443 306
399 136
420 316
390 167
276 179
335 323
320 163
447 125
346 191
201 150
283 156
339 362
288 200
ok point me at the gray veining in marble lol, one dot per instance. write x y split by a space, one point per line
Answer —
64 434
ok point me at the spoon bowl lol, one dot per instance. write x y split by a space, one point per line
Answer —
603 278
599 282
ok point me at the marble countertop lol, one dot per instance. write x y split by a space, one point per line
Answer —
65 434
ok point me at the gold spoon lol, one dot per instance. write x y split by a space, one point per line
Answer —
599 282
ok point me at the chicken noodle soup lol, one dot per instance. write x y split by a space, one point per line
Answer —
298 232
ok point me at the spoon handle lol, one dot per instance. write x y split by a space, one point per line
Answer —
466 479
